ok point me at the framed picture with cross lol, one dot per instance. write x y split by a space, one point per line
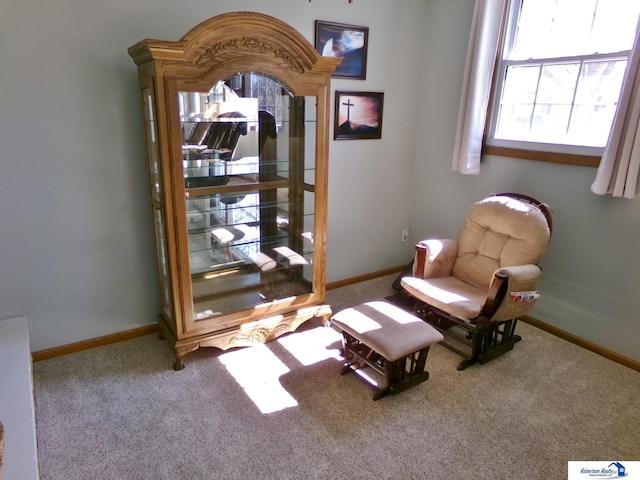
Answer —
358 115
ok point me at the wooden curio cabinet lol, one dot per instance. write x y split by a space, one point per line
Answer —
236 119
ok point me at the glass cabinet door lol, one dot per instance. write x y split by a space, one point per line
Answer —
248 162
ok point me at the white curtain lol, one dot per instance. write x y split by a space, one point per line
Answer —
476 85
618 171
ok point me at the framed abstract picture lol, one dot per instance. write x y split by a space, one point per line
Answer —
347 42
358 115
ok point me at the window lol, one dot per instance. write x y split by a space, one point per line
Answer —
267 90
560 72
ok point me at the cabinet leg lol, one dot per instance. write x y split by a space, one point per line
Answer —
178 364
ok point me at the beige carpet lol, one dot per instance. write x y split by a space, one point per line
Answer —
282 411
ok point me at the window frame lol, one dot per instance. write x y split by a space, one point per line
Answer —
547 152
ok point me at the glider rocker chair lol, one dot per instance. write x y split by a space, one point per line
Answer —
474 289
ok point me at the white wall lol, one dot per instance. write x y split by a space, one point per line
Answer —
76 234
591 274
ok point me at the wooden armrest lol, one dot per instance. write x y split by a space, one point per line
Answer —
497 291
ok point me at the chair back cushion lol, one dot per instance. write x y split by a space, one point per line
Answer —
499 231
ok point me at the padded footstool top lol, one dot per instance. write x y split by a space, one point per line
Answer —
390 331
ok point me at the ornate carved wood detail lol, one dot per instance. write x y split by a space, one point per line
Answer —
239 33
265 330
260 335
252 45
254 333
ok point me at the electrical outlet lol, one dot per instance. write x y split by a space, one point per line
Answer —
405 235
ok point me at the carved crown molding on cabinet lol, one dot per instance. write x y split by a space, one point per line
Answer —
250 44
225 39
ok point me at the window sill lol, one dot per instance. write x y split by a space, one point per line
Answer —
566 158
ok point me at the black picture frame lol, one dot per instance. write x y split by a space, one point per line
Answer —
358 115
348 42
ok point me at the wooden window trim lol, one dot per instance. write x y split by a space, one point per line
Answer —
552 157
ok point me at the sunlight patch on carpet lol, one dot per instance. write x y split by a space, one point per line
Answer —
257 370
314 345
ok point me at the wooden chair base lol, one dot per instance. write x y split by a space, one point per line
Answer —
384 345
477 343
395 377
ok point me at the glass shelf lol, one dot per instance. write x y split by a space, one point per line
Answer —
249 199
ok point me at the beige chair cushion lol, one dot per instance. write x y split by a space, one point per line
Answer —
388 330
499 231
448 294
